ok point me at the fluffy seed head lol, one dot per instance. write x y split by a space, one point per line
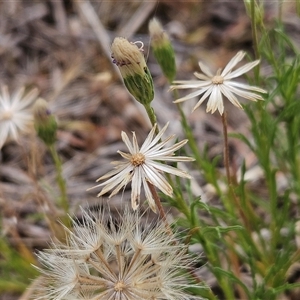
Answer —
116 260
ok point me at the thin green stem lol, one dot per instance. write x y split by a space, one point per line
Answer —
232 194
280 11
254 29
63 200
152 116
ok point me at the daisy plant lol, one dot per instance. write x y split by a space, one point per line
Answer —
245 242
219 86
143 167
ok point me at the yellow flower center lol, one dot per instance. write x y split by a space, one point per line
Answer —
218 79
137 159
6 115
120 286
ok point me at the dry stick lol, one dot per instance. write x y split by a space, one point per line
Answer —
137 19
92 18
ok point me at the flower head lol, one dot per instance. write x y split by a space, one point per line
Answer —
44 122
15 115
214 87
116 260
131 63
162 49
143 165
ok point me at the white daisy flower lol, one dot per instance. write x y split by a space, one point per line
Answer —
110 259
214 87
144 165
15 115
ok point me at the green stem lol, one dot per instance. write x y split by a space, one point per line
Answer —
254 29
152 116
280 11
63 200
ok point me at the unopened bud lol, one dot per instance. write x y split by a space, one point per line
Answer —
131 63
162 49
44 122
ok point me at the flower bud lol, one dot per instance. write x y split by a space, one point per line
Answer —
131 63
162 49
44 122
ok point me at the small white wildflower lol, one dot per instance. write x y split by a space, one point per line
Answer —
214 87
15 115
144 165
116 260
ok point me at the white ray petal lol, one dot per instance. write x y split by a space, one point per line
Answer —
242 70
168 169
203 98
157 138
205 69
233 62
192 95
149 139
127 142
136 187
157 179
